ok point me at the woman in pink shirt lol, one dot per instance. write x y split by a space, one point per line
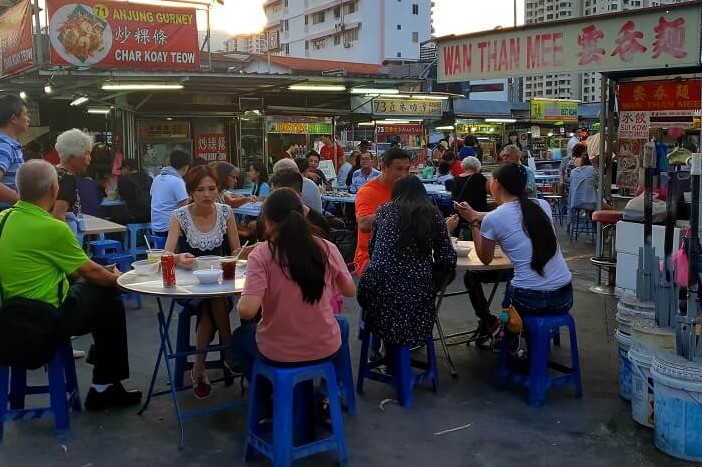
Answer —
292 277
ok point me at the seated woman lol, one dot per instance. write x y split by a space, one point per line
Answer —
292 277
228 176
471 186
583 183
259 177
409 241
204 227
524 229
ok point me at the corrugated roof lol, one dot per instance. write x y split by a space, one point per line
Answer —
314 65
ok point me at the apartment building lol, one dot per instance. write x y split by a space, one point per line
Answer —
247 43
362 31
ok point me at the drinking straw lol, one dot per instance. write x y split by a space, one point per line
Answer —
241 250
148 245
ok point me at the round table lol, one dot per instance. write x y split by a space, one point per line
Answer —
187 287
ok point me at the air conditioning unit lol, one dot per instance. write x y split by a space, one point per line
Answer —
348 45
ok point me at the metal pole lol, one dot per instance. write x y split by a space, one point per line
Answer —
601 166
209 42
37 35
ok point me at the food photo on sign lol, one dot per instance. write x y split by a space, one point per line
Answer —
119 34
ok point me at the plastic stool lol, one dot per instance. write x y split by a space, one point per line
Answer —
404 378
105 247
556 209
62 389
342 366
582 224
124 264
537 381
284 381
183 346
134 231
157 242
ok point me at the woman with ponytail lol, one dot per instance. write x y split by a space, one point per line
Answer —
524 229
291 277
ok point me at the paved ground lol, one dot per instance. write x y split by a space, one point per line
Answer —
502 430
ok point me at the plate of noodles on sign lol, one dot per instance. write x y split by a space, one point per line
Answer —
78 36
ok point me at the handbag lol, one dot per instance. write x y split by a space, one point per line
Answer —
29 329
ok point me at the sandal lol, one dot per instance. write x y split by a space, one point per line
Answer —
230 370
201 385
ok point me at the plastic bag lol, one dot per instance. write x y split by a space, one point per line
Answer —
634 210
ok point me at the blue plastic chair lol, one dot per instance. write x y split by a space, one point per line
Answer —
135 233
62 389
541 330
404 379
288 384
105 247
157 242
342 366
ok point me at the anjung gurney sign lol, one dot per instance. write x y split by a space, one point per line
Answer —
635 40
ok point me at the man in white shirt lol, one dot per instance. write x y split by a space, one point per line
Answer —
168 192
311 196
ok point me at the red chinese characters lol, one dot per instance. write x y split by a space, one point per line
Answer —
588 41
627 43
670 38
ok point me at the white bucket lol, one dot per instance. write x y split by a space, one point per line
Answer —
646 340
630 309
624 344
678 405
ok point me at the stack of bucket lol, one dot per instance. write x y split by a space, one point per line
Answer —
629 311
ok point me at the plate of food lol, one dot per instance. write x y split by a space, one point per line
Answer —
78 36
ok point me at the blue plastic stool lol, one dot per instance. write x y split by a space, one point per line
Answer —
105 247
183 346
135 232
537 381
404 379
284 381
342 366
62 389
157 242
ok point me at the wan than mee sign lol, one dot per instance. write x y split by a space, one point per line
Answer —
634 40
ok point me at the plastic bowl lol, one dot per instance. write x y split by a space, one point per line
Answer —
144 268
207 262
208 276
462 250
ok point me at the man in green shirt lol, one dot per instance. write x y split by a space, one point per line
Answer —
39 254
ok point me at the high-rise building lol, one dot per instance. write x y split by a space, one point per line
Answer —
363 31
247 43
582 86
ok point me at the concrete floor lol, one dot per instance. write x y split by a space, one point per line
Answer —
503 430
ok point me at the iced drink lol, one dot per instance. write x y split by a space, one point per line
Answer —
228 268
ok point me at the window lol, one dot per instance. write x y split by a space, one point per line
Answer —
399 27
287 49
307 20
415 37
351 7
319 44
415 9
285 25
307 45
337 12
350 36
337 39
399 54
318 17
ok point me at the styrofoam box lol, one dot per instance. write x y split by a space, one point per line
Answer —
627 265
630 239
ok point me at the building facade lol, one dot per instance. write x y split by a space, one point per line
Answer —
362 31
247 43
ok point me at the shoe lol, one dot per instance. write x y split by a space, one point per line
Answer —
113 397
487 331
201 386
90 358
231 370
78 354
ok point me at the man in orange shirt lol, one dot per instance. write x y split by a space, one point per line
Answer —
332 151
395 165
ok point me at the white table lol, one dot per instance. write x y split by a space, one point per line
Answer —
187 287
249 209
336 198
96 226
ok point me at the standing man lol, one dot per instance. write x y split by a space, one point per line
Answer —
395 165
332 151
168 192
14 120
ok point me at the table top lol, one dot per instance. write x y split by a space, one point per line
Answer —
107 202
96 225
187 285
473 263
240 191
336 198
249 209
439 190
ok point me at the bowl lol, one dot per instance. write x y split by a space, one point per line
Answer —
207 262
208 276
462 250
144 268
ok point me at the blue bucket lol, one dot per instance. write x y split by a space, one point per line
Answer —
623 345
678 405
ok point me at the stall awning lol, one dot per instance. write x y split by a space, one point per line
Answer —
476 108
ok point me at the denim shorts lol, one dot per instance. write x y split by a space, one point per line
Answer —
541 302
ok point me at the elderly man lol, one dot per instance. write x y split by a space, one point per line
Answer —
511 154
74 148
311 197
39 269
14 120
361 176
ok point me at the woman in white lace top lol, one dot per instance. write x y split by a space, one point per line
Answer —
204 227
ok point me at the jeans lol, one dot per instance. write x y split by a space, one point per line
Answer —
541 302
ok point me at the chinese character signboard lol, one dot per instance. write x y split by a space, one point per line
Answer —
635 40
16 40
660 95
552 111
212 146
406 129
634 125
161 131
111 34
408 107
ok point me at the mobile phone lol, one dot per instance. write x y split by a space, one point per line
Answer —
456 204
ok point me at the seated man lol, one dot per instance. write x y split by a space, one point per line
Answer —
40 268
311 197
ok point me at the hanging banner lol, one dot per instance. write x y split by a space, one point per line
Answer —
552 110
660 95
16 40
299 128
110 34
408 107
667 37
211 146
634 125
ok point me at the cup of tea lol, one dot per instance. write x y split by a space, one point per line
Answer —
153 256
228 266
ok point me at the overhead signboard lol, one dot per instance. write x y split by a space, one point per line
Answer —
299 128
116 34
660 95
553 110
400 129
634 125
211 146
408 107
636 40
16 40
